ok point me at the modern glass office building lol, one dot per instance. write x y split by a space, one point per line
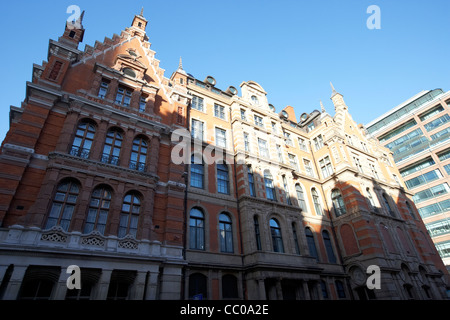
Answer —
418 133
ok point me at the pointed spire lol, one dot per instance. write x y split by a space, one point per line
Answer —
180 64
142 12
333 90
322 108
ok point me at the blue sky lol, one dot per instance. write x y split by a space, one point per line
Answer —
292 48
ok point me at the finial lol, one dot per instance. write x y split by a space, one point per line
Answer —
322 108
79 21
332 88
142 12
180 65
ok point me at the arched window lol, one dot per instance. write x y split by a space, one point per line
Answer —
223 179
196 229
311 243
323 287
338 203
129 216
251 181
294 233
198 286
340 289
197 172
370 198
300 197
270 189
257 233
113 144
388 206
139 154
63 204
410 210
98 210
328 247
277 239
229 287
225 233
82 143
39 282
316 202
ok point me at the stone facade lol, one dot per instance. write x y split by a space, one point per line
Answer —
297 210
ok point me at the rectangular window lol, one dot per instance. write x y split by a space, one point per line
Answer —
123 96
293 161
444 155
308 168
417 167
221 138
413 135
318 142
258 121
286 191
364 146
197 103
447 168
438 228
436 123
430 113
349 139
325 167
246 142
358 164
424 178
219 111
243 115
311 127
103 89
197 129
142 103
263 150
440 136
274 127
396 178
398 130
280 154
287 138
251 182
435 208
302 144
374 171
430 193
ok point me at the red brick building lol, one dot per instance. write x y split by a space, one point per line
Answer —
89 149
298 210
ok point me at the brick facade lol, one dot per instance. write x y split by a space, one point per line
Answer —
88 179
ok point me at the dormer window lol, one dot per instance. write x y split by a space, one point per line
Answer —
255 100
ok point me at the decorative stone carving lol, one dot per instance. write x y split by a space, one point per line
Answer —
95 239
128 243
55 234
